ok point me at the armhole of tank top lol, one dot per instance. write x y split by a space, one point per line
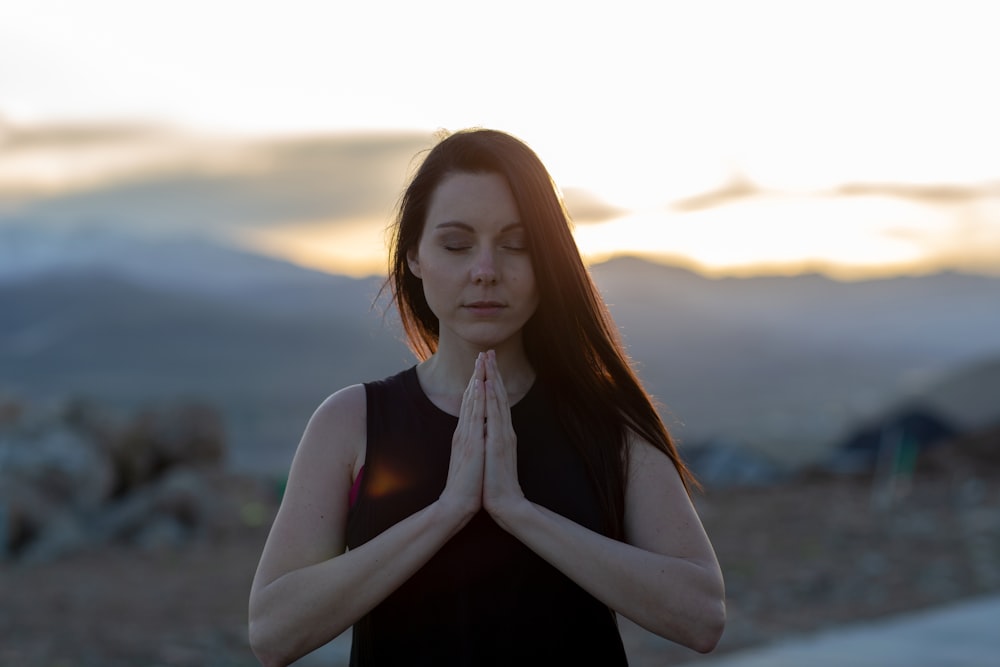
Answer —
355 488
358 483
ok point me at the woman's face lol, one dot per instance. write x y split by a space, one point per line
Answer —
473 261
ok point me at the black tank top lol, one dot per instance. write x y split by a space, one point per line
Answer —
484 598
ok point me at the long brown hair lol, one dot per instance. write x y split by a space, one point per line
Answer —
570 341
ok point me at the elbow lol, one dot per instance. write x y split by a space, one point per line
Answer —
263 649
269 643
710 629
267 660
700 629
276 645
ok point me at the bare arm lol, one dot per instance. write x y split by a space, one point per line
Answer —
665 576
307 589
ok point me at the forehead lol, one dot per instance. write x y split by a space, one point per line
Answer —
474 199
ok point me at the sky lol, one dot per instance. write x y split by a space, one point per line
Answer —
858 138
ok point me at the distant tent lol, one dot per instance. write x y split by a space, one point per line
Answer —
911 430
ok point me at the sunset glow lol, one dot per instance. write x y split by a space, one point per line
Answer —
356 248
640 107
848 237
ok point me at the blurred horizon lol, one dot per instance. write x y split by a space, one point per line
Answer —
325 202
712 136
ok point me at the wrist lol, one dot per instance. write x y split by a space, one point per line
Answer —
455 511
510 512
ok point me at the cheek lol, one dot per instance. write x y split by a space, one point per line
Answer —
527 285
439 286
536 298
437 276
528 277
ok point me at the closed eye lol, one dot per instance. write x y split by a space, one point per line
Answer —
514 241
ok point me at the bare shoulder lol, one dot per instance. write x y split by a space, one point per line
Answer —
646 461
336 431
343 411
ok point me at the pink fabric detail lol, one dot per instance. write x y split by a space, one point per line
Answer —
355 488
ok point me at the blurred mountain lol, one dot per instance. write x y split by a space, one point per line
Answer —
968 395
785 365
186 264
128 321
790 363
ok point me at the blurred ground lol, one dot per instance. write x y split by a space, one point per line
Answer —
798 557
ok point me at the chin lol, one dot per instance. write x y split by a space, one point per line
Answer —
491 340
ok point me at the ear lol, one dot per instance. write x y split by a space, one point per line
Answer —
413 262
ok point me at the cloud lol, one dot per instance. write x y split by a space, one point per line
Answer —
738 187
932 193
586 208
49 161
149 178
69 136
212 186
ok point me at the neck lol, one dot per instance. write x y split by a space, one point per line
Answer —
447 371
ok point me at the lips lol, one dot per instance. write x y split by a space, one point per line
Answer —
485 307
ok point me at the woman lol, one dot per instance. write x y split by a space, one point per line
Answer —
500 500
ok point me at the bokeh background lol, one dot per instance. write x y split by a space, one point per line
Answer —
793 210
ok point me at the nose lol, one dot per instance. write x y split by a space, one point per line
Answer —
484 269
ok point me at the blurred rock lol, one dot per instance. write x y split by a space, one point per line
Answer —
721 464
75 478
156 440
63 465
161 531
65 533
25 511
11 410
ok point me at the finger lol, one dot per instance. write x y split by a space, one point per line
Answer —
468 396
498 422
501 388
497 379
478 371
479 381
470 414
482 368
494 414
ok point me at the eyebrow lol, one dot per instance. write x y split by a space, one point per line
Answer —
457 224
